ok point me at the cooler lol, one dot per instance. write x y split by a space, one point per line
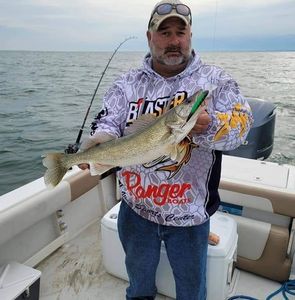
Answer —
219 264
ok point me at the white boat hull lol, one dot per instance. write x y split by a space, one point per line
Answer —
35 221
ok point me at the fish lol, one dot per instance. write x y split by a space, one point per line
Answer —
147 139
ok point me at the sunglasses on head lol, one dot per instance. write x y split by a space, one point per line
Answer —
166 8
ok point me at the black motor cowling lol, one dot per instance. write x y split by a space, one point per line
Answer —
259 142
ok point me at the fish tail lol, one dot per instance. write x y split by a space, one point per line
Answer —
55 168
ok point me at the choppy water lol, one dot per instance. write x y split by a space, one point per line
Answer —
44 97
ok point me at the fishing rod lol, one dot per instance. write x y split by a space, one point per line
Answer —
73 148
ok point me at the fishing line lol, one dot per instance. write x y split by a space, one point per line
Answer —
73 148
215 23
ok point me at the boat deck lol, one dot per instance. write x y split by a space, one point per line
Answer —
75 271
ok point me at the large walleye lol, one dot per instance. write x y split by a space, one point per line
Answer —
157 136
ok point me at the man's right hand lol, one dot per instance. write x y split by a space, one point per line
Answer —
86 144
83 166
92 142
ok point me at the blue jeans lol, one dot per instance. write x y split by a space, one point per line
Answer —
186 249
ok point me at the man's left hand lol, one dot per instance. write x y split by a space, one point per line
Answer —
202 123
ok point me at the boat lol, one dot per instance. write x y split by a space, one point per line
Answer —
62 243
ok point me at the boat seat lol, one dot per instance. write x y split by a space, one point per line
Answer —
260 196
262 248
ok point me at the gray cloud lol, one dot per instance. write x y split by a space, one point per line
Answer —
101 25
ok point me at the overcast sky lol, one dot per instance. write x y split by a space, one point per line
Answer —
98 25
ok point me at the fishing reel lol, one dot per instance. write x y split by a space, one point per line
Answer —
72 148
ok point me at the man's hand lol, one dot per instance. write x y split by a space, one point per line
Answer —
92 142
83 166
202 123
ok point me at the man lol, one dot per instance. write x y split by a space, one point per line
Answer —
165 200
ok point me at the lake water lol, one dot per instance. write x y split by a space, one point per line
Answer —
44 97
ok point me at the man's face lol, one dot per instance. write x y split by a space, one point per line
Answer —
171 44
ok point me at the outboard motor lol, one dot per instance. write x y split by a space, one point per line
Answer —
259 142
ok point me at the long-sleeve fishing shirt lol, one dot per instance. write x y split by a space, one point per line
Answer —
176 193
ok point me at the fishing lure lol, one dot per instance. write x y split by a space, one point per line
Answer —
200 98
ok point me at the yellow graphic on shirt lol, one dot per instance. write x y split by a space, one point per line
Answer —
229 121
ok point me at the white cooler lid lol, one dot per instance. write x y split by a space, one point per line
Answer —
226 228
109 220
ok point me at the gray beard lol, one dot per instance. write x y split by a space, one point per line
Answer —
170 61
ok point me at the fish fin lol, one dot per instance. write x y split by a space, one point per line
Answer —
97 138
173 152
142 122
156 161
55 168
176 152
98 169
